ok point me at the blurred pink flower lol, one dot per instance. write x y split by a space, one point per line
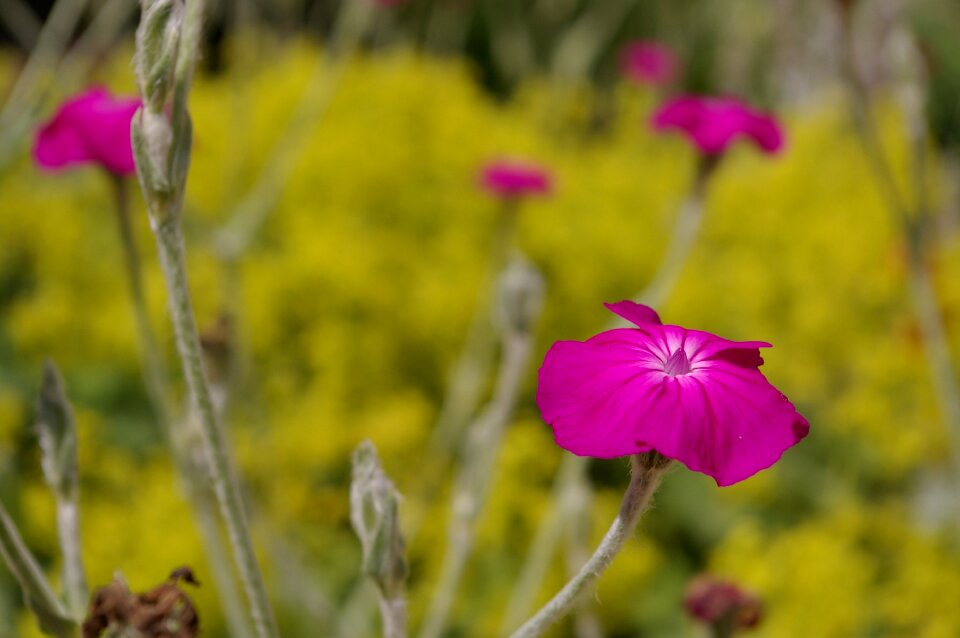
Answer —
687 394
510 179
92 127
712 123
711 601
648 62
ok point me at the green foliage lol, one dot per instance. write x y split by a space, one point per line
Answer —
352 305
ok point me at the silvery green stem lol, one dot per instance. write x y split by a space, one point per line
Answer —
913 221
38 596
21 21
685 231
520 297
473 364
254 209
51 43
192 474
538 560
647 471
154 371
170 248
168 41
57 434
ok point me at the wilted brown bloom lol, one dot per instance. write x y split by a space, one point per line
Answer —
712 601
162 612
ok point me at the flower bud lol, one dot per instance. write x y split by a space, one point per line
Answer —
519 296
158 38
373 512
57 433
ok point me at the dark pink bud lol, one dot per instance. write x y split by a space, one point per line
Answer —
509 179
648 62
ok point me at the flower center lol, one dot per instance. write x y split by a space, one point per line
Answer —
677 364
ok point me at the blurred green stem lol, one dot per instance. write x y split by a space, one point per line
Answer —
647 471
473 480
252 211
57 436
914 221
40 599
21 21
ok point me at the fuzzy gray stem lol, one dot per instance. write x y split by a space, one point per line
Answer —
170 248
74 577
393 611
39 597
158 394
473 482
647 471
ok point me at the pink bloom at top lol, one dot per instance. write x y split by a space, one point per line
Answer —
687 394
648 62
92 127
510 179
712 123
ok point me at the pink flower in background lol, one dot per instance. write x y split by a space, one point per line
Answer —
648 62
712 123
92 127
510 179
687 394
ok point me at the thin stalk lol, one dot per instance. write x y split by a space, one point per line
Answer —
254 209
473 482
40 599
647 472
154 370
171 251
158 394
572 476
51 43
68 533
393 611
912 222
544 543
22 22
161 146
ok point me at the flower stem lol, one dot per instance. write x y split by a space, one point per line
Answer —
170 247
473 481
39 597
647 470
158 394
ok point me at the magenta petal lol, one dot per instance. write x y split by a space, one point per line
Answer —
92 127
634 312
688 394
586 393
712 124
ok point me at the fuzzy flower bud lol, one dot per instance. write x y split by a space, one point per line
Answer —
57 433
374 514
519 296
158 39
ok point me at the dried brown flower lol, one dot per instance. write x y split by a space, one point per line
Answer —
162 612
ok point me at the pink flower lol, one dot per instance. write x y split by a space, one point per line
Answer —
687 394
92 127
510 179
648 62
712 124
